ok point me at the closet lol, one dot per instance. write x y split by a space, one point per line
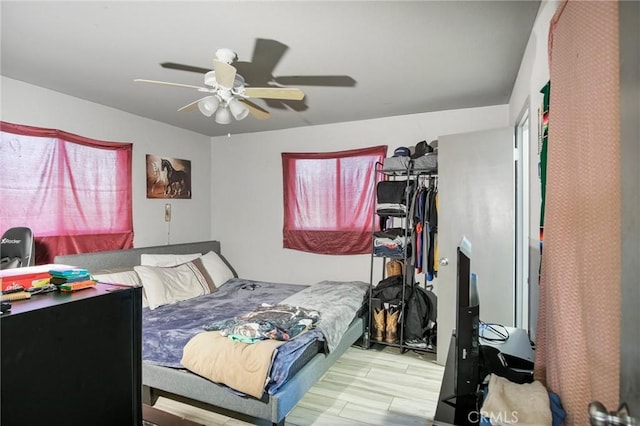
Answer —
403 310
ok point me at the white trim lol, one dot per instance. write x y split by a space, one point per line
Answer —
521 291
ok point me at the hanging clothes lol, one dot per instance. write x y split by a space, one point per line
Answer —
431 218
425 220
436 255
420 203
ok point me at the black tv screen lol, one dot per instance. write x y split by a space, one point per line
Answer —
467 362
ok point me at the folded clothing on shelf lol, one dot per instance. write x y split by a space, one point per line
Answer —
391 209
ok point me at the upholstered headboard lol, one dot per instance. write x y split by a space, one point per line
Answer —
127 259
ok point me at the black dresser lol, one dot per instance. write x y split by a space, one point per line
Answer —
73 358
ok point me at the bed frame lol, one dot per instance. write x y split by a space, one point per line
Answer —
184 386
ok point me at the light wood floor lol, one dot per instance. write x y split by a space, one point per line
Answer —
378 386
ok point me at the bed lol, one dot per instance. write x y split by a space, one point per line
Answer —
295 365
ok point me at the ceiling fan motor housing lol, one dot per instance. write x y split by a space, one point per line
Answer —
225 55
238 82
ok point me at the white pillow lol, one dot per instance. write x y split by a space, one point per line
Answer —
170 285
217 269
167 259
129 278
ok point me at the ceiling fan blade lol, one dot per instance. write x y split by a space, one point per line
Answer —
256 111
289 93
183 67
317 80
225 73
166 83
267 53
193 105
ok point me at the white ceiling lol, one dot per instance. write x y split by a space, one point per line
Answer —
388 58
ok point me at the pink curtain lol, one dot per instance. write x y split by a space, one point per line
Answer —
579 320
329 200
73 192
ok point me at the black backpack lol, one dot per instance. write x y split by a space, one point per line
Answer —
389 290
421 314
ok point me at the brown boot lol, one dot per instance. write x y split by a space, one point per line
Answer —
392 325
378 324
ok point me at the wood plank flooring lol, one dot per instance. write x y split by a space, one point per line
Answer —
378 386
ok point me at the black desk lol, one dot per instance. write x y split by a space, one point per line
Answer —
73 358
458 411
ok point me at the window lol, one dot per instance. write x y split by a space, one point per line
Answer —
73 192
329 200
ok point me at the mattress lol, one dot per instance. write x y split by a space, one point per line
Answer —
167 329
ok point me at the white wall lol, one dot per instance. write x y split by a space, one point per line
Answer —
247 206
237 197
54 110
532 76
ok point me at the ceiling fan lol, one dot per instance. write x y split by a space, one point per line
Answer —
260 71
227 96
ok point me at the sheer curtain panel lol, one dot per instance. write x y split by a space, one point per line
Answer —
329 200
578 333
73 192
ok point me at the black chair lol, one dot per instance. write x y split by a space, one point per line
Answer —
17 248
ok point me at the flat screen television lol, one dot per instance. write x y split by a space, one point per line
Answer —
459 400
467 352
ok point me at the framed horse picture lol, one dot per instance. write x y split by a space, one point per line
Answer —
168 177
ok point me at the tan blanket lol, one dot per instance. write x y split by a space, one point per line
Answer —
511 403
241 366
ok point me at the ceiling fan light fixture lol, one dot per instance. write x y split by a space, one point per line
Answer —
238 109
223 116
208 105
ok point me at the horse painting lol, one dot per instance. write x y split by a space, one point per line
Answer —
155 176
178 182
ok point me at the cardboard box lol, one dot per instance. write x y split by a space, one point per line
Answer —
28 276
